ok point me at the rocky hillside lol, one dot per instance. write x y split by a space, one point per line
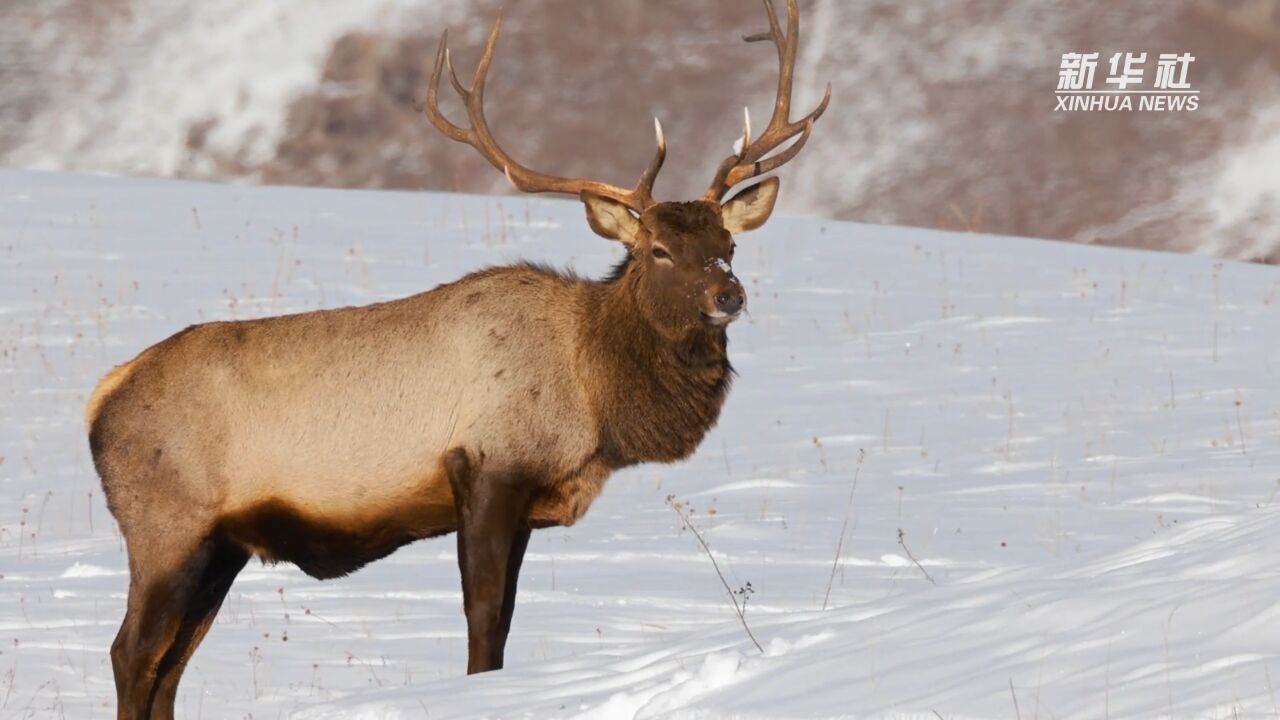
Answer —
943 114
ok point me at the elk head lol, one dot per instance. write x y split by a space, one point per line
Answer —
679 253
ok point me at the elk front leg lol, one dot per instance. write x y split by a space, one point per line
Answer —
491 509
514 559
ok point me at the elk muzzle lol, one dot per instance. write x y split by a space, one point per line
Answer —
727 300
730 302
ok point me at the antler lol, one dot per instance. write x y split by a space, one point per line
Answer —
526 180
749 160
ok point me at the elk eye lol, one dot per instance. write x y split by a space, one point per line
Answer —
661 253
731 249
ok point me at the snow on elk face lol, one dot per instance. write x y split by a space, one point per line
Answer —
687 254
680 258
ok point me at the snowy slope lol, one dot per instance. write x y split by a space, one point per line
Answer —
1078 445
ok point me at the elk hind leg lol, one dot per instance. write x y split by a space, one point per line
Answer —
163 579
226 560
491 508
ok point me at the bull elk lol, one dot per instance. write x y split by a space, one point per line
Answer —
489 406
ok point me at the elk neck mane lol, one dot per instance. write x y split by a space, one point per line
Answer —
654 395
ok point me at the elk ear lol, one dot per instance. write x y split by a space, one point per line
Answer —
750 208
610 218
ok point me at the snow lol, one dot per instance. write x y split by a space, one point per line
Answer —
1244 190
129 106
203 89
1076 444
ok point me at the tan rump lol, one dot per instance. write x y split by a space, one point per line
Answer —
107 385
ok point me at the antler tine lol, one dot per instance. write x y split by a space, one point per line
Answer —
479 137
749 160
774 33
433 91
739 173
453 76
786 46
644 189
482 67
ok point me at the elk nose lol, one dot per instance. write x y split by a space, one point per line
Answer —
729 302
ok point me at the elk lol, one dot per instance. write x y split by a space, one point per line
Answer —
489 406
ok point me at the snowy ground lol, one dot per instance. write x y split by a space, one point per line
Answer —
1078 445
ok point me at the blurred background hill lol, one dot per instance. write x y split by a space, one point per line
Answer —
942 115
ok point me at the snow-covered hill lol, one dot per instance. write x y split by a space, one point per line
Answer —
1077 445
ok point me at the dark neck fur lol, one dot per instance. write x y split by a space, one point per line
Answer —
655 395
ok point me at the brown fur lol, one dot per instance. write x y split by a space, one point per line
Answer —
487 407
323 439
107 385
